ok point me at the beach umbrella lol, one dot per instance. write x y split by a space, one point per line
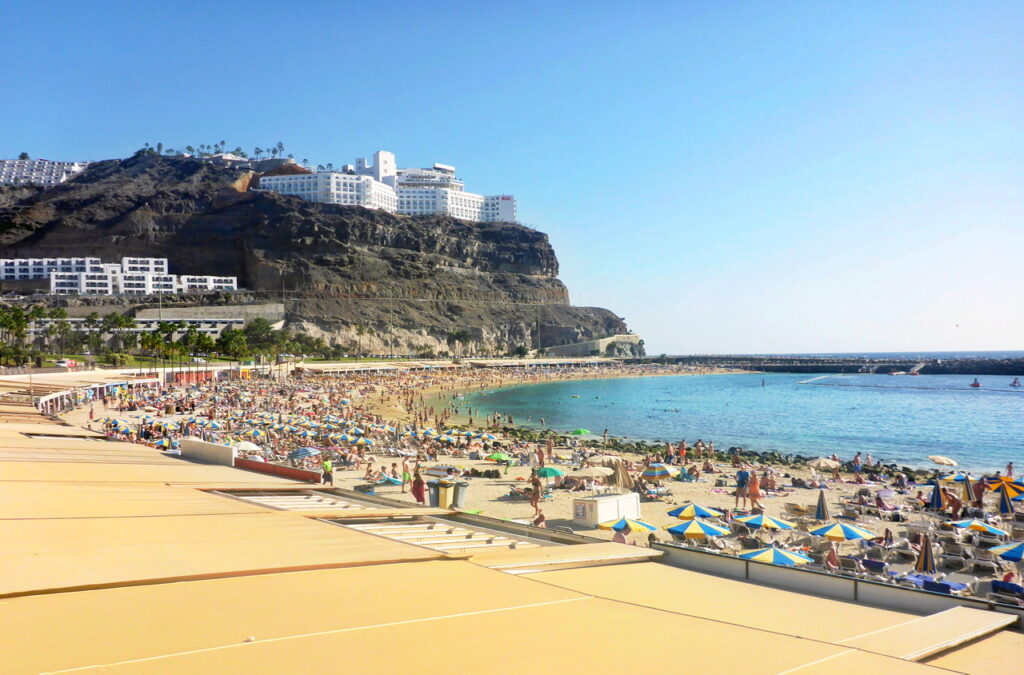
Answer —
594 472
957 477
446 438
979 526
925 563
821 512
345 401
842 532
761 521
824 464
441 470
302 453
214 425
1013 551
498 457
355 430
254 433
363 441
942 460
937 501
691 511
487 437
306 433
698 529
1011 487
580 432
968 486
1005 503
163 443
623 523
247 446
776 556
658 471
549 472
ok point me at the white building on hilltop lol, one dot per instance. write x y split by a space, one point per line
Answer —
382 185
37 171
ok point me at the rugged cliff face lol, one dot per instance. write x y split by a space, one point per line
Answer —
397 282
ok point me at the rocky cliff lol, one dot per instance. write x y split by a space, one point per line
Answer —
399 283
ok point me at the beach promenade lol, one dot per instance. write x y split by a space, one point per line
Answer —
145 562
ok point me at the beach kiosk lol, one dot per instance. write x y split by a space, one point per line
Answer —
589 511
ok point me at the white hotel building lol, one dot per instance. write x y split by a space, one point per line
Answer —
414 192
90 276
37 171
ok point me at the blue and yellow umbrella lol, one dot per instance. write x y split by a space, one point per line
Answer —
761 521
698 529
821 513
925 563
1005 503
363 441
1012 551
691 511
842 532
623 523
1008 485
776 556
937 501
979 526
659 471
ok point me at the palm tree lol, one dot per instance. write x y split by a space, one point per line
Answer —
190 150
280 148
257 151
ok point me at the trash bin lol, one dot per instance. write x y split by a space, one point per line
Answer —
432 492
445 493
459 494
169 409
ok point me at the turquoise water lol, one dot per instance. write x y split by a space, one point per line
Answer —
898 419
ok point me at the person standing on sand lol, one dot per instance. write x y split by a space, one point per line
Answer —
754 492
406 477
535 492
328 472
742 480
418 487
1009 467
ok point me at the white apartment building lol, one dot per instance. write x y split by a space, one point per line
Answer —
90 276
382 185
335 187
14 269
212 327
37 171
118 282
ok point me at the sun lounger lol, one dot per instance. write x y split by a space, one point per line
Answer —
850 567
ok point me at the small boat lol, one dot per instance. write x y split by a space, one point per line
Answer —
1016 382
975 384
914 373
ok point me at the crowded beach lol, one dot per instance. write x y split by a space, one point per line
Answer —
401 433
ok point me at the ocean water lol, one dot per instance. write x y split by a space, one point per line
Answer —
898 419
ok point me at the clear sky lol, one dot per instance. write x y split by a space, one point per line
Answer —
728 176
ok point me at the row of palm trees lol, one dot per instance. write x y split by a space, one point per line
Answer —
206 150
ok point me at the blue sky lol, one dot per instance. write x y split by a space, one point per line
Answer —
729 176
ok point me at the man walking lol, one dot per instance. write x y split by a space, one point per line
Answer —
327 467
742 481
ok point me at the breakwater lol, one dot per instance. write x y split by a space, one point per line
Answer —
809 364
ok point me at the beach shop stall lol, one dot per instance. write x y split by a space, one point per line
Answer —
589 511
